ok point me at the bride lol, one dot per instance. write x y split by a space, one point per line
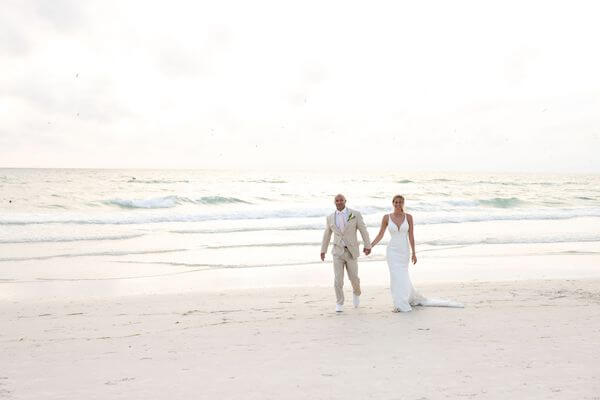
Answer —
400 225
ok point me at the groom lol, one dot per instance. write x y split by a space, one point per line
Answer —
344 223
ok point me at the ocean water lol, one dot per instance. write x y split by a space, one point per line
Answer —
83 224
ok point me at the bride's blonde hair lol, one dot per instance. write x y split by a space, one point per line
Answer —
398 196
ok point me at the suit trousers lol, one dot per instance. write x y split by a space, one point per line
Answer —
351 265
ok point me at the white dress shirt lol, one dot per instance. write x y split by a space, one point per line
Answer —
340 220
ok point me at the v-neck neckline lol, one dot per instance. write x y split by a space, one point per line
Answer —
398 226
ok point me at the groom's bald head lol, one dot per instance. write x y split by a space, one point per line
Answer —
340 202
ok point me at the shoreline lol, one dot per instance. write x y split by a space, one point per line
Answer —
91 278
426 288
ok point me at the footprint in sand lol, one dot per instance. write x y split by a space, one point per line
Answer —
120 380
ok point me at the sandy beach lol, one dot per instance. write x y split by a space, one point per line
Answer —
535 339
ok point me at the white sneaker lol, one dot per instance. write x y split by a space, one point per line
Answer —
339 308
355 300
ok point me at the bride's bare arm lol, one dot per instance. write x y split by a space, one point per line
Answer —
411 238
384 224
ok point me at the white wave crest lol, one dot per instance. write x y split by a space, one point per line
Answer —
158 216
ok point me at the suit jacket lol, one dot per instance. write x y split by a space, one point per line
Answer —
353 223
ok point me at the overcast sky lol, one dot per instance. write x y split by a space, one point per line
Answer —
419 85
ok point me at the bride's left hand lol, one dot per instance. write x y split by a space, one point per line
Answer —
414 258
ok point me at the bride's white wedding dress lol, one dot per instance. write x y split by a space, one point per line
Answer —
398 257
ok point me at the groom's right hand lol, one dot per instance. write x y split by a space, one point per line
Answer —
322 256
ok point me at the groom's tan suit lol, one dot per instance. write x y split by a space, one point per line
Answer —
345 248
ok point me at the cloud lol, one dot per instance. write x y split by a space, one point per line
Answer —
65 16
268 84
